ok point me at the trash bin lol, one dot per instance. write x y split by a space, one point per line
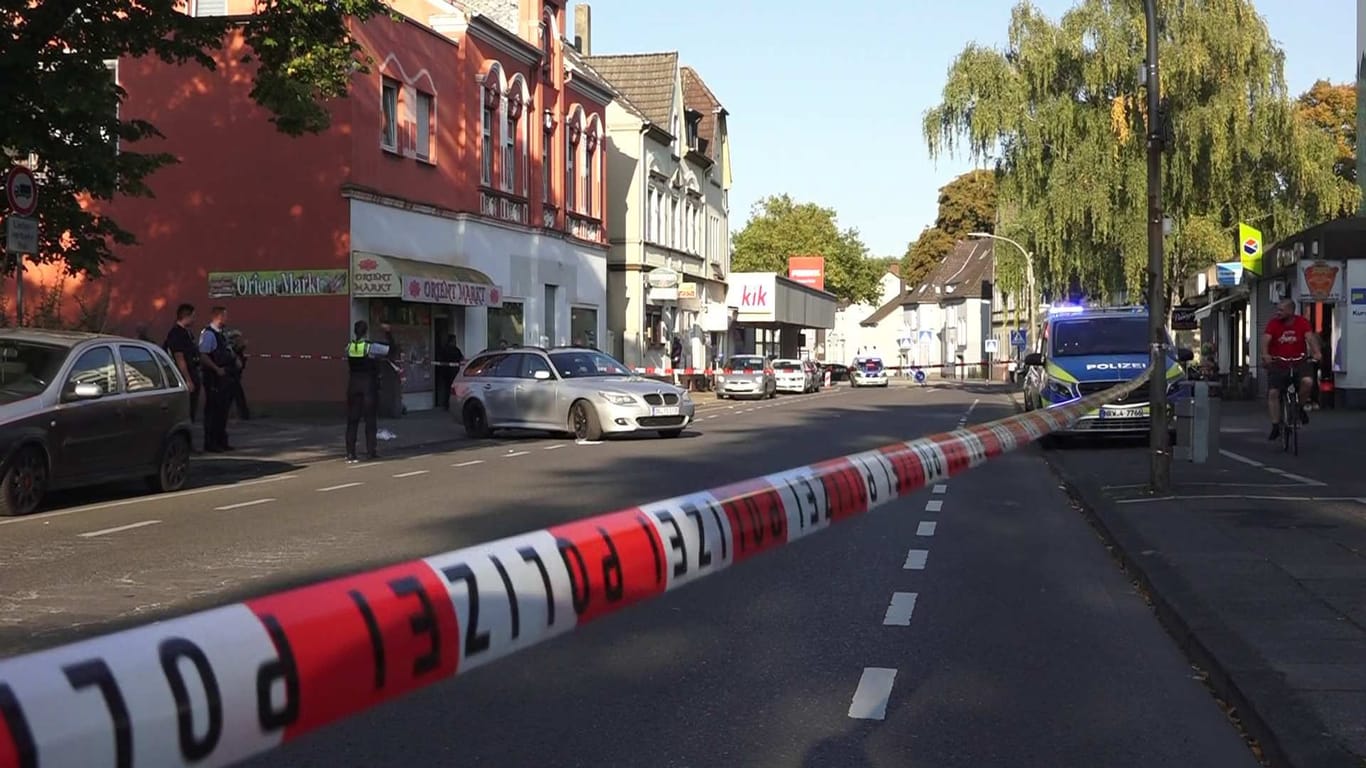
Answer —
1198 412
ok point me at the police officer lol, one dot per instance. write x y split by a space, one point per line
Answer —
220 365
362 387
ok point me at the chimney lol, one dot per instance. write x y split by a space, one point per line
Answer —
583 29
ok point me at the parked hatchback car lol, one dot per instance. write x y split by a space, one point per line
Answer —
565 389
746 376
794 376
80 409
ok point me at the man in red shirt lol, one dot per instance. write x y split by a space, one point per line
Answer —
1288 336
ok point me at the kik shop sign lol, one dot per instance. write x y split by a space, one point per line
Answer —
386 277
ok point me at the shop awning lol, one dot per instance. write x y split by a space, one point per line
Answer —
376 275
1204 312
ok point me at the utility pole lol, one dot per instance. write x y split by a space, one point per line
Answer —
1361 103
1160 468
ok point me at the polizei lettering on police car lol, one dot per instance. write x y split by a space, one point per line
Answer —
1116 366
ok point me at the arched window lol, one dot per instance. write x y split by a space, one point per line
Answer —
590 173
571 179
489 107
511 128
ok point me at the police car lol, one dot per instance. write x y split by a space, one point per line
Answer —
1089 350
868 372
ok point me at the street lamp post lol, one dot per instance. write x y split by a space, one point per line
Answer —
1033 298
1159 475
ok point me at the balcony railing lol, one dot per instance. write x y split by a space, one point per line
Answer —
582 227
498 206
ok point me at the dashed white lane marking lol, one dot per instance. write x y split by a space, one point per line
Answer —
941 488
468 463
414 473
1244 459
870 698
926 528
900 609
916 559
1302 479
515 454
142 500
553 447
974 405
239 505
934 505
129 527
329 488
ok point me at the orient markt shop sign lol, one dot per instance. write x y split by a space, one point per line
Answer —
278 283
386 277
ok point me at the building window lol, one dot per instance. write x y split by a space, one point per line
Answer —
571 148
673 223
111 133
507 324
547 165
692 134
513 111
651 206
486 138
547 41
426 118
589 175
388 138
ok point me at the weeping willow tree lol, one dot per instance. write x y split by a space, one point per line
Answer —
1063 112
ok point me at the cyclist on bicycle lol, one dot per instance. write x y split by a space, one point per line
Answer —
1288 336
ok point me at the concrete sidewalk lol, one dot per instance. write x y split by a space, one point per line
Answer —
1256 562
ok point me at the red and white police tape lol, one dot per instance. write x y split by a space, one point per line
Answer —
215 687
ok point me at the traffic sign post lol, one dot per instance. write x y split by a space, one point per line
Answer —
21 228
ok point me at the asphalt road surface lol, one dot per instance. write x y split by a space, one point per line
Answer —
980 622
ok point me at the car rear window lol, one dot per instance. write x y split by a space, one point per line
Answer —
748 363
788 366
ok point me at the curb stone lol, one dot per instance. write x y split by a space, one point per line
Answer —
1287 733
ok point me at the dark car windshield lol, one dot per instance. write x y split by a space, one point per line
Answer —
746 363
1101 336
870 364
26 368
586 363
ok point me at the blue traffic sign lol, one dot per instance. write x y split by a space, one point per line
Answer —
926 337
1019 337
919 376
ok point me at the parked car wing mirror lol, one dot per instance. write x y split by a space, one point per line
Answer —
86 391
1033 358
1185 354
540 375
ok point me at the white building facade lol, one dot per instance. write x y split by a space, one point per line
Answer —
668 214
949 315
869 329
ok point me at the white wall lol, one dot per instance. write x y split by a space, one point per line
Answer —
882 337
520 262
1352 320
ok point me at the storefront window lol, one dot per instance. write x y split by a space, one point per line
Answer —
412 328
583 327
507 325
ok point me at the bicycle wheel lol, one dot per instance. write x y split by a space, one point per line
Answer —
1288 423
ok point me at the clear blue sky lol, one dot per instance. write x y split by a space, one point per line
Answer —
826 99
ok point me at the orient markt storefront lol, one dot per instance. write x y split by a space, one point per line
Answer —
431 308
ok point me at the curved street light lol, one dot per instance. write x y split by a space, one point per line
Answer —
1033 298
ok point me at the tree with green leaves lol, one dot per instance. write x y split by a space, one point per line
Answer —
61 102
779 227
966 204
1062 110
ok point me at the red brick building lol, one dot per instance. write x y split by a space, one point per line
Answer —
460 190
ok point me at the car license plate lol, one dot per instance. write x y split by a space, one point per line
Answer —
668 410
1124 413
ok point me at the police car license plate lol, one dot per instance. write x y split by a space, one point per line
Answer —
1124 413
668 410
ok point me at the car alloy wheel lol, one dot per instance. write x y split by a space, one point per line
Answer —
175 463
26 483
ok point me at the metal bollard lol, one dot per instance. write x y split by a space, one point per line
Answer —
1197 424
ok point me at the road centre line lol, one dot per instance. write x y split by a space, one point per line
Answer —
242 504
142 500
414 473
926 528
553 447
934 505
870 698
515 454
328 488
941 488
468 463
1243 459
916 559
899 610
129 527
